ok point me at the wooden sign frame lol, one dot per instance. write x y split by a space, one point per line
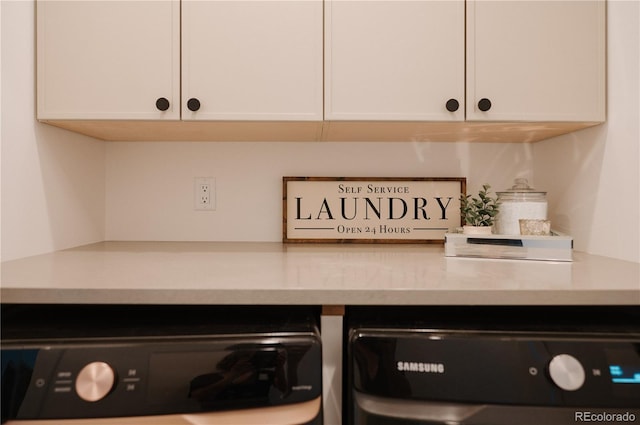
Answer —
370 209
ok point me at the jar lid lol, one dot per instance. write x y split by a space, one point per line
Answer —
521 189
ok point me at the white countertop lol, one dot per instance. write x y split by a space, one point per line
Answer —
320 274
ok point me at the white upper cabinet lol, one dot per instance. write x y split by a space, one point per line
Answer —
445 70
526 60
252 60
121 60
536 60
394 60
108 59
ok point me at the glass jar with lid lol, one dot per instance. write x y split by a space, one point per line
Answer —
519 202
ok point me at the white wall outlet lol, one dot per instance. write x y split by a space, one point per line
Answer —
204 189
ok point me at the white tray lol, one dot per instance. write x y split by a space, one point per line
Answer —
557 247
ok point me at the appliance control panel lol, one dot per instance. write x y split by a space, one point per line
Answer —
504 368
138 377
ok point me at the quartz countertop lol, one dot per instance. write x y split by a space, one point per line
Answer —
318 274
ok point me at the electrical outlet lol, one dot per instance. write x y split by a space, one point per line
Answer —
204 189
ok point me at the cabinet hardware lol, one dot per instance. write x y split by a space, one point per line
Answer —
484 104
193 104
452 105
162 104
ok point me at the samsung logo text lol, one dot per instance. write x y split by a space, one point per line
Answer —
420 367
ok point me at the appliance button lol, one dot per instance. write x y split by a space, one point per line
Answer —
566 372
95 381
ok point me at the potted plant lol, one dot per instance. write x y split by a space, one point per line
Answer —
479 213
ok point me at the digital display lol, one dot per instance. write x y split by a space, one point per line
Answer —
625 374
208 378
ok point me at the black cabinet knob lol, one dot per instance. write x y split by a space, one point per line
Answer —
193 104
452 105
484 104
162 104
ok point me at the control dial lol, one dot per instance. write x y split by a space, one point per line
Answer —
566 372
95 381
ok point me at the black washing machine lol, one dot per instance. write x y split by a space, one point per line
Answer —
493 365
169 364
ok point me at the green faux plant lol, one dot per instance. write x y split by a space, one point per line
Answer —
480 211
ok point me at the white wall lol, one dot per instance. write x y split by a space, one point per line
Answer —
592 176
60 189
0 132
150 185
53 181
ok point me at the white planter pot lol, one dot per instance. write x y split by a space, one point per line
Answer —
477 230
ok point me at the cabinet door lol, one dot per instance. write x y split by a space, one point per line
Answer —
394 59
252 60
108 59
536 60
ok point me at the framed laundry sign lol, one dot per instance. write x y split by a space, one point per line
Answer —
370 210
